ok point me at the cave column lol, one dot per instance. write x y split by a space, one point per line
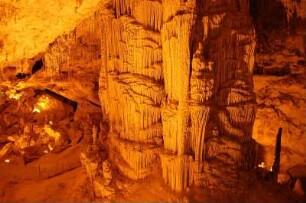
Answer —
131 83
178 22
208 56
229 47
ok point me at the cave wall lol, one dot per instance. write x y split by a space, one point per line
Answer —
27 27
176 85
80 47
279 80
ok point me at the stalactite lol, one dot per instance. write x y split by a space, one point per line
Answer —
149 13
170 127
139 157
177 171
199 118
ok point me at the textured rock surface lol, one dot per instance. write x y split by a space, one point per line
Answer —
131 87
279 82
175 82
182 71
281 104
295 7
27 27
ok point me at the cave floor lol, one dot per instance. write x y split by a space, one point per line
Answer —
60 178
71 187
69 183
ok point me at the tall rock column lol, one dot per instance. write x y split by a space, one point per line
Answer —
180 73
208 55
131 81
178 21
227 45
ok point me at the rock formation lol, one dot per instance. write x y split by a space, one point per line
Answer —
173 79
27 27
279 81
180 72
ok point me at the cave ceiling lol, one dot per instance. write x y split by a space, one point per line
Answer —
28 26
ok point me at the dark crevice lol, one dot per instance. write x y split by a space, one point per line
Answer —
22 75
57 96
94 104
37 66
268 27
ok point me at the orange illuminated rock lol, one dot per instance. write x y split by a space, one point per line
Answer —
169 69
173 80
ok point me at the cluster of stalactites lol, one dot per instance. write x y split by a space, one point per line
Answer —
147 12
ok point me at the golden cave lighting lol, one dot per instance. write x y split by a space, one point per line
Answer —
262 165
36 110
42 104
147 100
13 94
50 147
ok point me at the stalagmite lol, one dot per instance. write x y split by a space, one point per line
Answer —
277 156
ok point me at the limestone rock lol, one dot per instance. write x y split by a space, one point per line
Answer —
92 159
137 160
170 68
6 149
91 167
55 18
102 190
174 83
103 185
279 105
99 171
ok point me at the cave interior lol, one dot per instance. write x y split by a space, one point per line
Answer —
152 100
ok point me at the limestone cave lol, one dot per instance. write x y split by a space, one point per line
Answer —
153 101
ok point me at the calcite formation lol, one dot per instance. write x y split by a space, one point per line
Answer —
82 45
176 85
98 169
165 88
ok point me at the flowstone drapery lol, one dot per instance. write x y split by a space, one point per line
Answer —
176 85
